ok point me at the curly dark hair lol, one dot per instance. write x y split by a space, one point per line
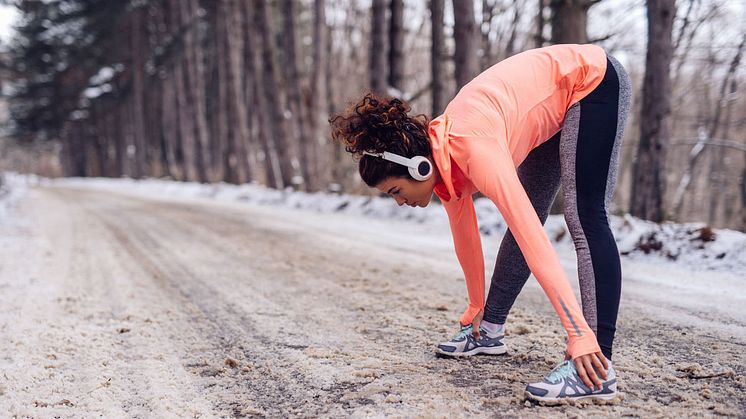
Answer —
377 124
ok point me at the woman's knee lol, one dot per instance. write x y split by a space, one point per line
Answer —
587 220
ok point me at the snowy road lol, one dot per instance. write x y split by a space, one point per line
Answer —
129 306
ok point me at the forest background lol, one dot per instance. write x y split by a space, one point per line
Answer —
240 91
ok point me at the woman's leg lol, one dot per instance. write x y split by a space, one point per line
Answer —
540 176
589 150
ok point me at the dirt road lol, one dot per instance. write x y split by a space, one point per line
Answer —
127 306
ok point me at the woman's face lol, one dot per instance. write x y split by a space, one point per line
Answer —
406 190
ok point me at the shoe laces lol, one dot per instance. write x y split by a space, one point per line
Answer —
563 370
465 331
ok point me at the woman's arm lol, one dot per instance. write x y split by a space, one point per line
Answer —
468 244
487 163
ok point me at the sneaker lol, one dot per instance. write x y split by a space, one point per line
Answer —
564 383
465 344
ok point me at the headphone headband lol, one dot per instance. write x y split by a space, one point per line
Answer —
420 167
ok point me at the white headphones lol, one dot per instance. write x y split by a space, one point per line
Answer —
420 167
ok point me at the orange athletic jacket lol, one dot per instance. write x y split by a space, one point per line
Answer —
486 131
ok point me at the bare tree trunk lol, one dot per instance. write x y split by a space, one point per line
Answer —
437 56
170 126
214 74
485 30
99 141
378 47
337 149
186 133
156 163
720 212
743 194
273 92
74 150
98 122
254 54
540 22
166 126
195 90
125 117
465 34
570 21
716 191
223 128
319 93
307 149
137 30
649 183
251 148
396 45
239 146
120 147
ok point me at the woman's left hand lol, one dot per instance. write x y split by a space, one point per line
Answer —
587 365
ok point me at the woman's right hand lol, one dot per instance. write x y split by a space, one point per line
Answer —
475 324
587 365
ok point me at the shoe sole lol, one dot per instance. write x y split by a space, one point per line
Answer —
558 400
490 350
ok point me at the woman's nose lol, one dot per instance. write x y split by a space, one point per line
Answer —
400 201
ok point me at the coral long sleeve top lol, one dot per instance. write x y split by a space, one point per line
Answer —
485 133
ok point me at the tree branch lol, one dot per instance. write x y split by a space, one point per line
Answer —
603 38
716 143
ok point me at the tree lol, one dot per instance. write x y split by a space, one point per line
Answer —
378 47
138 90
570 21
272 91
298 111
258 98
319 91
193 87
396 45
466 37
437 55
649 183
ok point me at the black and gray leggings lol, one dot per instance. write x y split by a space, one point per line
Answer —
583 156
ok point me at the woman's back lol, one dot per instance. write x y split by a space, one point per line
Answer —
523 99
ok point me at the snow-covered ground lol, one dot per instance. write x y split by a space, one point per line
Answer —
161 299
12 187
691 246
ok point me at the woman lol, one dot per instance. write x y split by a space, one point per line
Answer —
536 119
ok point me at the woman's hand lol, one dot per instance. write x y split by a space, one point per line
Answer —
585 364
475 324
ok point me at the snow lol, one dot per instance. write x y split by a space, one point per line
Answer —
104 75
692 246
94 92
683 246
9 16
12 187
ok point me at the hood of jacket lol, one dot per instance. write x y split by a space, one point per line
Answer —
439 132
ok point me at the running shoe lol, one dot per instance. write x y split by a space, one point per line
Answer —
465 344
564 383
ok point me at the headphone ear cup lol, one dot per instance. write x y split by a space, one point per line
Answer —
420 168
